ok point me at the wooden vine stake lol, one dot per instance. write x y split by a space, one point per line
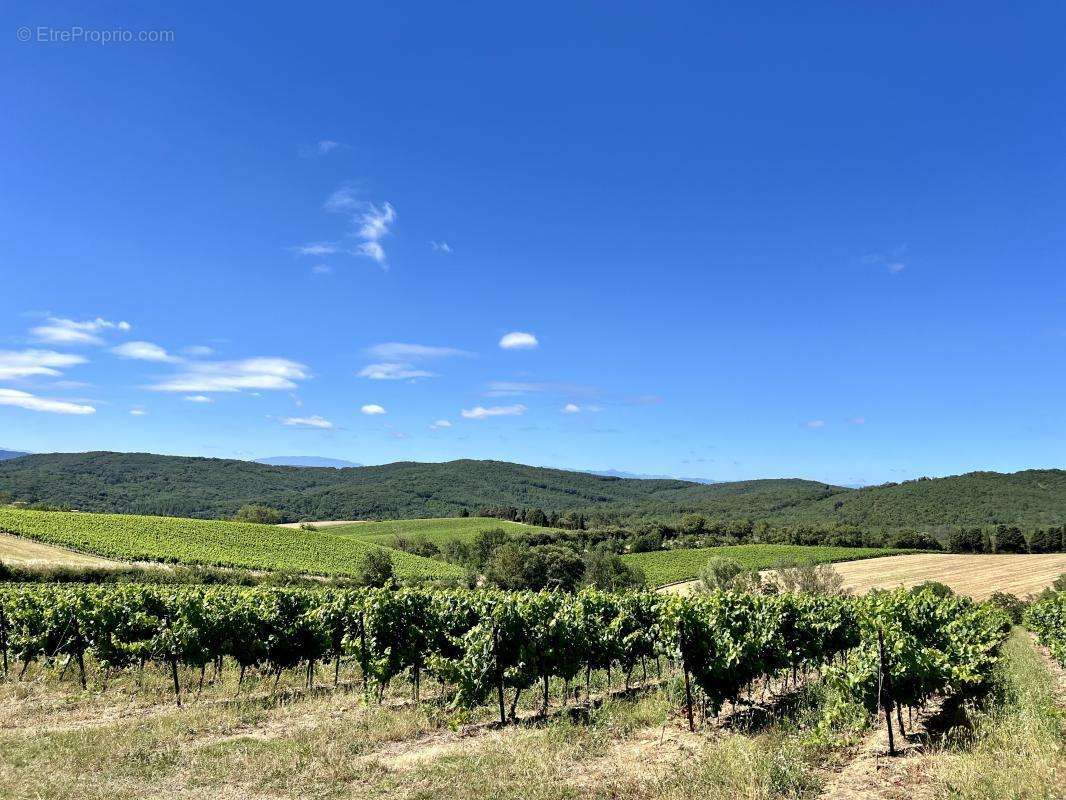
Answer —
884 689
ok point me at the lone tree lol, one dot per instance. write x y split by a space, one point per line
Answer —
376 568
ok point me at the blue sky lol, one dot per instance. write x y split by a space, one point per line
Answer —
744 240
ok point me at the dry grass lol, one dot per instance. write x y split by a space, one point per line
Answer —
976 576
17 550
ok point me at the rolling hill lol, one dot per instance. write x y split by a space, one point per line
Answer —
140 483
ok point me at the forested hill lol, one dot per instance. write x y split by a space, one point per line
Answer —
141 483
1030 499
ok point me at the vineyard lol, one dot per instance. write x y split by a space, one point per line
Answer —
889 650
437 531
210 542
1047 618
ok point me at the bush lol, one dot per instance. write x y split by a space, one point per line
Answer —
820 579
936 587
264 515
609 572
719 572
1011 606
376 568
967 540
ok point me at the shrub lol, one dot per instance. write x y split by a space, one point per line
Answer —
254 512
376 568
915 540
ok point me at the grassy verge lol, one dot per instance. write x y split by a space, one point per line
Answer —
670 566
1016 746
338 746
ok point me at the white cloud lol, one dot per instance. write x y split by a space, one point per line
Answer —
322 147
307 422
343 200
198 350
370 250
441 247
13 397
439 424
143 351
513 388
401 351
235 376
480 412
57 330
316 249
893 261
816 423
374 224
138 412
24 363
517 340
372 409
393 371
571 408
321 269
198 398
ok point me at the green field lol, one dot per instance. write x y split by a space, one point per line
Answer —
670 566
436 531
211 542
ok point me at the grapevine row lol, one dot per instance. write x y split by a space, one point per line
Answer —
1047 618
490 646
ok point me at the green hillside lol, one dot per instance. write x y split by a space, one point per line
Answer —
1029 499
139 483
210 542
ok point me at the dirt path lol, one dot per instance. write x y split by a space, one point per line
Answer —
977 576
324 524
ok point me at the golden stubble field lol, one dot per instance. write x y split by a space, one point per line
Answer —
977 576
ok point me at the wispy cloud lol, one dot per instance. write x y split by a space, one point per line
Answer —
816 423
198 398
372 409
518 340
440 247
440 424
514 388
402 351
893 261
138 412
857 421
198 350
58 330
143 351
322 147
346 199
26 363
574 408
235 376
480 412
374 224
307 422
397 360
393 371
317 249
321 269
31 402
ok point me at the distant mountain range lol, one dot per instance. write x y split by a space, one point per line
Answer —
617 473
307 461
6 454
143 483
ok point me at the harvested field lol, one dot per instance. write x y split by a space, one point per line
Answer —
17 550
976 576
